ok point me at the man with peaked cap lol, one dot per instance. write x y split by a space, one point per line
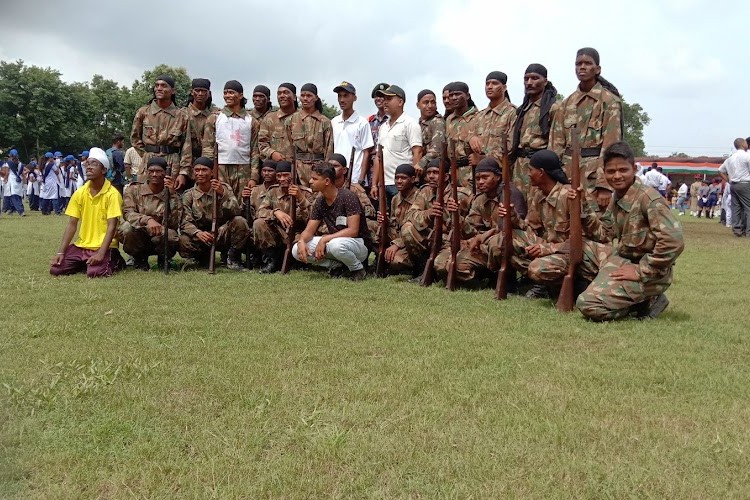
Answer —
195 228
396 254
480 225
540 248
530 131
433 128
261 102
97 206
274 217
160 128
311 133
493 121
352 130
235 133
142 229
459 128
274 139
199 107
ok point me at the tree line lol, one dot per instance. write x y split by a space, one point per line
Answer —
40 112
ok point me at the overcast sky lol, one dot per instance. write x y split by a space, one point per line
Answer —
674 57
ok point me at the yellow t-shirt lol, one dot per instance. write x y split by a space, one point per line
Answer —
93 212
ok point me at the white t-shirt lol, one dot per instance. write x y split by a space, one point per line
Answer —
355 131
233 138
737 166
397 141
664 182
683 191
653 178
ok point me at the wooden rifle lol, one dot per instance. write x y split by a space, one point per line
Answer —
214 214
290 233
566 299
381 270
450 282
351 169
428 275
506 268
248 249
165 224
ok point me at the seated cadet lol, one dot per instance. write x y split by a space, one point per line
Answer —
98 206
197 204
142 231
254 195
649 239
540 251
347 243
416 231
339 163
480 224
274 217
396 255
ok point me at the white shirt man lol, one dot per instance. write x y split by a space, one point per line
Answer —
653 178
351 131
398 136
736 171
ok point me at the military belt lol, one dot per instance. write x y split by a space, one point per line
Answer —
165 150
585 152
309 156
526 152
462 162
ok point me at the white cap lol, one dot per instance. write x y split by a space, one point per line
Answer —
99 155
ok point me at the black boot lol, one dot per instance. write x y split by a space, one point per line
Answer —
271 262
234 260
141 263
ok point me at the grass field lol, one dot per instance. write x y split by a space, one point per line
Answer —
250 386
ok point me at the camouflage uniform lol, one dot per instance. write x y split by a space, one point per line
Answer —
598 115
197 205
401 263
256 197
163 132
433 139
139 206
312 136
267 231
370 213
236 175
273 136
490 124
257 116
547 224
648 236
197 119
531 141
458 131
416 231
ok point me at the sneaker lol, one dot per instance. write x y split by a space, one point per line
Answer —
358 275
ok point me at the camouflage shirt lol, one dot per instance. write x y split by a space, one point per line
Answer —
140 204
399 207
458 131
433 139
490 124
646 231
257 115
364 200
209 139
531 132
275 199
197 206
153 126
312 133
273 136
197 119
419 212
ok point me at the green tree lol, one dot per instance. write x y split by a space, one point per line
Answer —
679 155
329 110
635 119
111 109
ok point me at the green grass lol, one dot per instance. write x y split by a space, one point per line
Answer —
250 386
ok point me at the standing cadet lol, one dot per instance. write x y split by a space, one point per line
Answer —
459 128
273 218
142 229
596 109
447 101
199 107
311 133
433 128
396 254
376 121
235 133
261 102
350 130
533 123
162 129
649 240
197 204
493 121
274 141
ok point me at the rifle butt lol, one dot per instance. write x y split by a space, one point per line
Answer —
565 299
501 287
428 275
450 282
287 262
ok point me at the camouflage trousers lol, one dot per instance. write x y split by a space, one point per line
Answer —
521 176
269 235
416 243
236 176
592 172
138 243
607 299
401 263
232 235
469 264
304 171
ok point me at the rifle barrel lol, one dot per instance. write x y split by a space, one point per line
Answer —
566 299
